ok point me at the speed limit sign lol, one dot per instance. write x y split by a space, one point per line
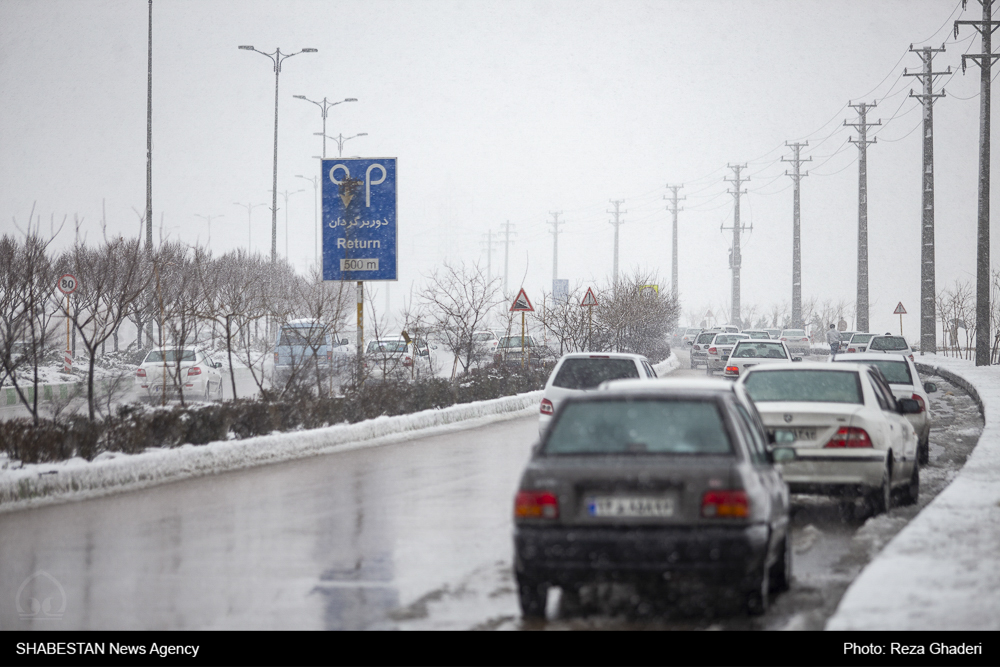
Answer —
67 283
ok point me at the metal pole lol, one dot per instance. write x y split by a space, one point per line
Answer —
736 260
361 330
797 177
522 339
149 135
983 227
861 305
673 263
617 223
274 186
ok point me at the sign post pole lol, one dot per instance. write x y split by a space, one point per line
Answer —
589 301
361 331
522 304
522 339
900 310
67 284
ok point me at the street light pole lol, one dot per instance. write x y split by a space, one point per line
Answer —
315 182
324 107
340 139
249 208
208 219
286 194
277 58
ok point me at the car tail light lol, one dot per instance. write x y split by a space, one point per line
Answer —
547 407
850 437
329 355
275 357
600 356
732 370
536 504
194 370
783 338
408 361
805 340
140 373
911 357
920 400
851 349
725 504
713 350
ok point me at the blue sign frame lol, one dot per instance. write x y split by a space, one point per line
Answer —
359 218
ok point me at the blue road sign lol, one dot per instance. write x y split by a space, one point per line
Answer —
359 218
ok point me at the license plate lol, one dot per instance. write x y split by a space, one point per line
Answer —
631 506
785 435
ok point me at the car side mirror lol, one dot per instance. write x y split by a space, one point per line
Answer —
217 364
796 358
343 341
783 454
908 406
930 387
434 347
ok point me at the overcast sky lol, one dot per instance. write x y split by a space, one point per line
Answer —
503 111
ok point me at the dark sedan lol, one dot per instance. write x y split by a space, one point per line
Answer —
665 481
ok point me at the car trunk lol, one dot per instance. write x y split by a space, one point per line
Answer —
811 425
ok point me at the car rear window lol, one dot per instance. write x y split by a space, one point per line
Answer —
746 350
387 346
804 385
728 339
155 356
888 343
482 337
302 336
639 426
861 338
691 332
896 372
705 338
793 332
577 373
516 341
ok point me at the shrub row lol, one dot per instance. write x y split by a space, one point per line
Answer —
135 427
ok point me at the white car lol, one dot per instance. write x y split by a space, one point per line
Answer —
200 376
395 359
795 339
687 339
851 435
890 344
901 374
578 372
753 352
719 349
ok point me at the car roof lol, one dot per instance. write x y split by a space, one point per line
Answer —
603 355
871 356
635 386
809 365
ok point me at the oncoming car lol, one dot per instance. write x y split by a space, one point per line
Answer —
664 483
172 371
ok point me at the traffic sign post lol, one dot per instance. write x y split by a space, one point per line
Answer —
900 311
359 225
522 305
67 284
589 301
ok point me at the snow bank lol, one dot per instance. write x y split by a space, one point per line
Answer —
668 365
942 572
41 484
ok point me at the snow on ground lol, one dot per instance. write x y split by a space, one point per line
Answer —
942 571
668 365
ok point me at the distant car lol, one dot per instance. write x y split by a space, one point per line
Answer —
859 342
699 350
890 344
653 482
773 333
687 339
756 333
901 374
301 346
795 339
486 344
845 338
850 433
751 352
515 351
730 328
719 349
171 371
578 372
395 359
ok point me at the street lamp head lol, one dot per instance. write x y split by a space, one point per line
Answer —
351 99
309 50
363 134
301 97
247 48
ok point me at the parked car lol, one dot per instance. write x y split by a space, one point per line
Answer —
891 344
719 349
177 370
515 350
773 333
751 352
859 342
302 345
796 340
578 372
699 350
486 344
653 481
850 433
901 374
395 359
845 339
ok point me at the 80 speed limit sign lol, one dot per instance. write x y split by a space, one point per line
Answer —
67 283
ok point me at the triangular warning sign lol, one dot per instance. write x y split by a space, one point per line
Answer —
899 309
589 299
522 304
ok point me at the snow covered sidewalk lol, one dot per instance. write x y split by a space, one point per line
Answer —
942 572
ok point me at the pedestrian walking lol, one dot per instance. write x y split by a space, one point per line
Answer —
833 338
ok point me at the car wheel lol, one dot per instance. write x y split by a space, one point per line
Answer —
532 595
758 599
911 492
781 571
924 449
880 499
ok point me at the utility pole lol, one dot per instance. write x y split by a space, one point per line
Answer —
985 62
506 251
673 209
555 243
797 176
862 142
928 314
735 258
617 223
149 135
489 255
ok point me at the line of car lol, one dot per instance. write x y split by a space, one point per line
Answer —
673 482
